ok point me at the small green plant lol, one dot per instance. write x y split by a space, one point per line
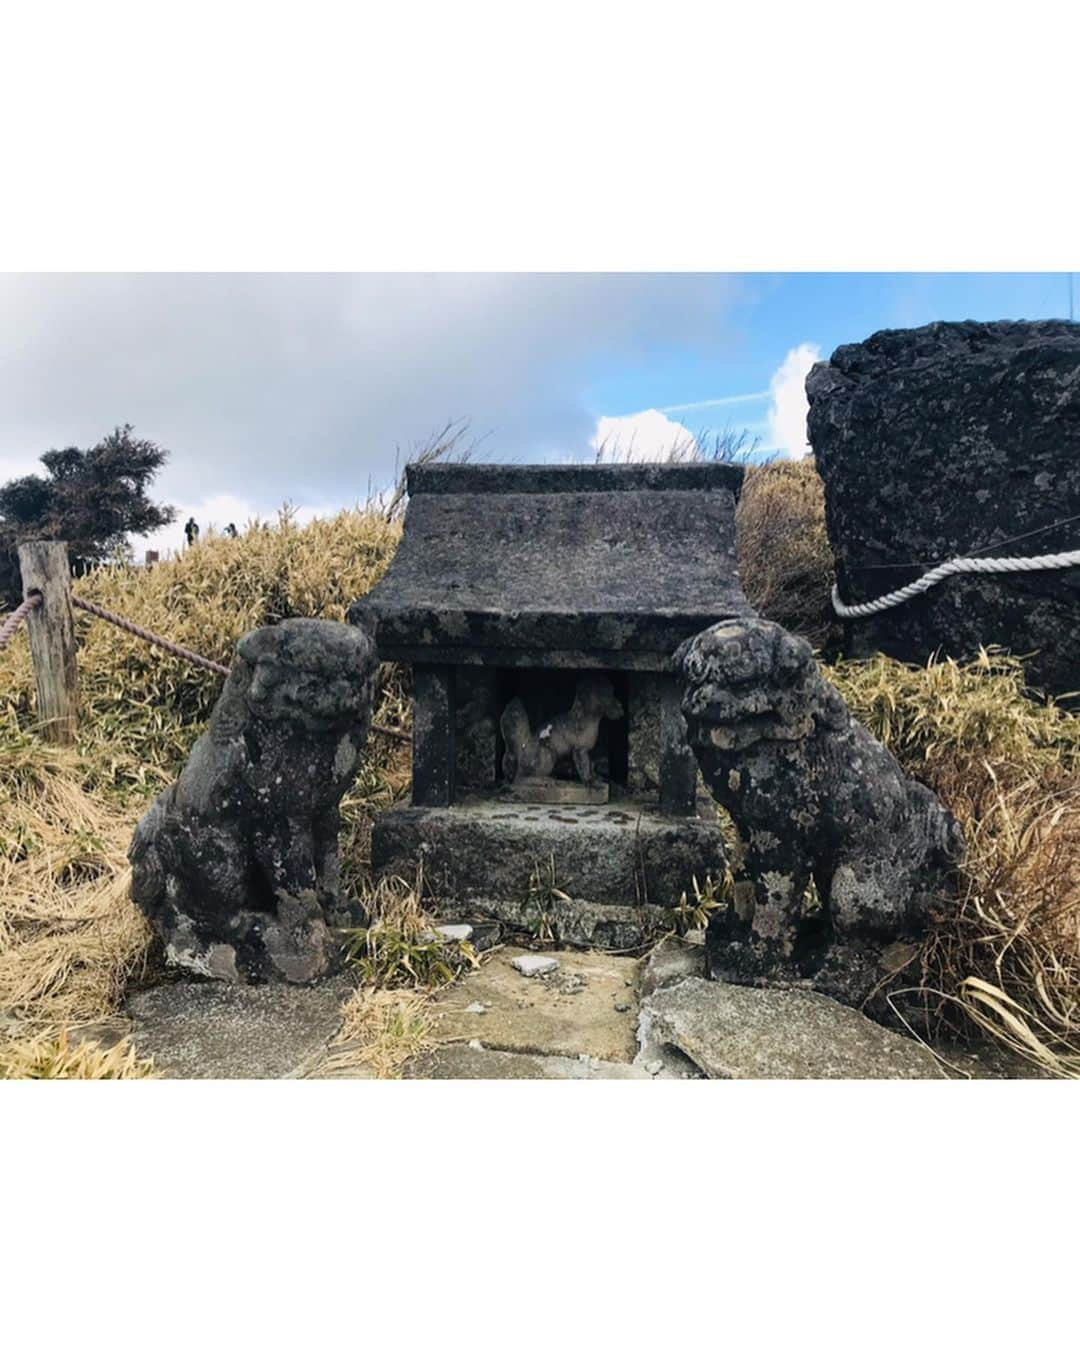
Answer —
399 947
388 958
693 910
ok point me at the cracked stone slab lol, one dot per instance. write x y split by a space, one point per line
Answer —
734 1031
671 961
466 1061
569 1013
203 1029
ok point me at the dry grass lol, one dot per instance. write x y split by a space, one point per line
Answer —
1008 767
56 1056
70 939
382 1030
401 963
785 562
142 708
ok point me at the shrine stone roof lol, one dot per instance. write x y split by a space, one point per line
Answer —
568 564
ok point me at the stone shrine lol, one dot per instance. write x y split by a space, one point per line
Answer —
539 607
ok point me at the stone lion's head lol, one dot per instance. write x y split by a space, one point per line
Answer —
310 671
747 680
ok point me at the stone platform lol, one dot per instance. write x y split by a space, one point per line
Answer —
600 875
595 1016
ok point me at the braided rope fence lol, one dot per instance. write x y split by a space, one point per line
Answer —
172 648
956 566
11 623
17 615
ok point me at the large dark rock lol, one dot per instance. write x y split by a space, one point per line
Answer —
236 865
814 798
948 440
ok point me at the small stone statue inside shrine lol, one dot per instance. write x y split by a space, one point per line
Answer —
573 734
236 864
815 799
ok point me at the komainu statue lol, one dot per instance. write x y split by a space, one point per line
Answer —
815 799
236 864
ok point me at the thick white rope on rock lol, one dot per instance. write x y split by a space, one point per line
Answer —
1045 562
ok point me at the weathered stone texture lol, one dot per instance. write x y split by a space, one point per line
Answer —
644 691
814 798
197 1030
728 1032
476 726
585 1007
236 865
944 441
466 1061
501 562
619 865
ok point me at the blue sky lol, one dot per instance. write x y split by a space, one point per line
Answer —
308 387
770 315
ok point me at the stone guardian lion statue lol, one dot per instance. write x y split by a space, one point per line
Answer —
236 865
814 797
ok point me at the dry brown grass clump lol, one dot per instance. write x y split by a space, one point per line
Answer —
49 1056
1008 766
382 1030
785 562
70 938
400 962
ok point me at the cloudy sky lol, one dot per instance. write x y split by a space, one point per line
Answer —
306 387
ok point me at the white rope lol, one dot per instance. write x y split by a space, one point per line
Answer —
1045 562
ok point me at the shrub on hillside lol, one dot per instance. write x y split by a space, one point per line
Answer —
785 562
92 498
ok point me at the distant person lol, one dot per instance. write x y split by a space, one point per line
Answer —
230 531
191 531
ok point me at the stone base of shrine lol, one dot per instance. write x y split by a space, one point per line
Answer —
590 876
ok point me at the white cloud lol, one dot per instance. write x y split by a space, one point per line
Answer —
787 412
267 386
647 435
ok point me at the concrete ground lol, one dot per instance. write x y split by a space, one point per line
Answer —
588 1006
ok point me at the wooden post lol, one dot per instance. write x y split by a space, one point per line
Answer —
51 630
